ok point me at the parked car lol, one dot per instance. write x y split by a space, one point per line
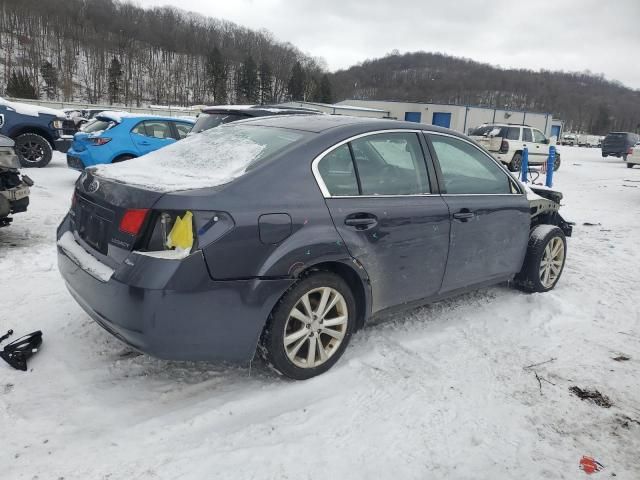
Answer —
36 130
14 187
618 144
80 117
218 115
633 158
506 143
117 136
289 233
569 139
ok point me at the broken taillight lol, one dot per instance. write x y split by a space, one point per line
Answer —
132 220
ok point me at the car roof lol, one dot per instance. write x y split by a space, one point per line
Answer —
119 117
321 123
259 110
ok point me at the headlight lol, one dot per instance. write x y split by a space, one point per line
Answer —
8 159
57 124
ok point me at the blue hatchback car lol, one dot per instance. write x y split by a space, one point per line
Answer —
117 136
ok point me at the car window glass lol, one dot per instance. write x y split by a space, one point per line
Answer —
183 129
526 135
466 170
337 172
139 129
390 164
157 129
513 133
538 137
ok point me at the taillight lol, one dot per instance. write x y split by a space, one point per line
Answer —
132 220
99 140
630 151
504 146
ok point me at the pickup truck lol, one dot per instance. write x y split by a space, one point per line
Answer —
36 131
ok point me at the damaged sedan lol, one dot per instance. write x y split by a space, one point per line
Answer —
285 235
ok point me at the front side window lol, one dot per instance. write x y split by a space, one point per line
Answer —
338 174
183 129
538 137
467 170
390 164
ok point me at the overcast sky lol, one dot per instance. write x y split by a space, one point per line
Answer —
570 35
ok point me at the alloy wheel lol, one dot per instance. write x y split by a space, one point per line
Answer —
552 261
31 151
315 327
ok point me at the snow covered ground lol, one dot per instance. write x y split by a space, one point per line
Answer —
438 392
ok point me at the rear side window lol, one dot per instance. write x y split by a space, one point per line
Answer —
513 133
158 129
97 126
526 135
390 164
466 170
338 174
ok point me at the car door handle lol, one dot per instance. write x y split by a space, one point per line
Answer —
464 215
362 221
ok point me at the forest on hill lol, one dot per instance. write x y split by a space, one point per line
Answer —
112 51
586 102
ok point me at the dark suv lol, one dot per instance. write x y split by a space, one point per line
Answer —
214 116
618 144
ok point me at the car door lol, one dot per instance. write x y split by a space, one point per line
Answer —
151 135
540 148
379 194
489 214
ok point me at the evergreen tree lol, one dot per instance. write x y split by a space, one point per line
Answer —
297 82
115 77
20 86
248 88
50 77
266 83
602 122
217 70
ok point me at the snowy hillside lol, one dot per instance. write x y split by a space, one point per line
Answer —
439 392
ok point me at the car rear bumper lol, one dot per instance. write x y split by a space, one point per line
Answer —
75 162
172 310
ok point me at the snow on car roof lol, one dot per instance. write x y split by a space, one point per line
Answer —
117 116
182 165
31 110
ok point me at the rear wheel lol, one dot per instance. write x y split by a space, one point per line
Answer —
33 150
624 157
310 327
629 165
122 158
516 163
544 261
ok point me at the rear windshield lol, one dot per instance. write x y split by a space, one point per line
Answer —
213 157
210 120
511 133
97 126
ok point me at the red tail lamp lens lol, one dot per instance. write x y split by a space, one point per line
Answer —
132 220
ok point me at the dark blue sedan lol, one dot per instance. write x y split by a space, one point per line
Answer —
285 235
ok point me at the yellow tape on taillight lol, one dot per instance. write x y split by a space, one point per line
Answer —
181 235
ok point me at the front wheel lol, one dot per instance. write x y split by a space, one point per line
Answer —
544 261
516 163
310 328
556 163
33 150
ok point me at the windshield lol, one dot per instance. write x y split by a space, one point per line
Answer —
97 126
210 120
213 157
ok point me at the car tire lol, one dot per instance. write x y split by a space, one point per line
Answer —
122 158
544 261
556 163
33 150
629 165
624 157
291 329
516 163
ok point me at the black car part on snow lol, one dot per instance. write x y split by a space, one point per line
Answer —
19 351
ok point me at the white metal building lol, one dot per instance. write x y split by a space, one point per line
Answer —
462 118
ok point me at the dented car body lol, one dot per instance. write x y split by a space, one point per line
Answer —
380 204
